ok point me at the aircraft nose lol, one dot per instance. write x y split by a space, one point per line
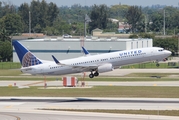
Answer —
168 52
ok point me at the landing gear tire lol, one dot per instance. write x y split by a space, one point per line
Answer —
157 64
91 75
96 74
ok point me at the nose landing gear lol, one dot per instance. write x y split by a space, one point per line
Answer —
157 64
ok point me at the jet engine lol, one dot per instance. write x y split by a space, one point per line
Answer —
105 68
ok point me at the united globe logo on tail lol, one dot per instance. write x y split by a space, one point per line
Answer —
30 60
25 56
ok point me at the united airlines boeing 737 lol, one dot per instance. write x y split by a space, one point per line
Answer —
89 63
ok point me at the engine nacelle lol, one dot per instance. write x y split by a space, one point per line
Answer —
105 68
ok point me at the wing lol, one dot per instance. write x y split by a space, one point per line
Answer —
78 67
84 68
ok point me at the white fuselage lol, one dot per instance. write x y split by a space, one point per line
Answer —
117 59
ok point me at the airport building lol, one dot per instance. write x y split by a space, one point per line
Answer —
63 48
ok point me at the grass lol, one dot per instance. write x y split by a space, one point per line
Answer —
10 72
97 91
102 79
141 112
15 74
10 65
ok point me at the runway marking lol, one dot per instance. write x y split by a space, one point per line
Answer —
33 83
9 106
17 118
52 107
154 84
64 87
57 108
171 108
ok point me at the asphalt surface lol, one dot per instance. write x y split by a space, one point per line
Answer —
51 115
20 108
26 108
59 84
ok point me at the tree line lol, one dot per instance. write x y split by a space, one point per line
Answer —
48 18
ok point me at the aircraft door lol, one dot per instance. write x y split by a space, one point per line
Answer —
149 55
152 54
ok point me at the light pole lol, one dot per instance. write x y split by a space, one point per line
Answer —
146 23
29 24
178 49
164 23
85 27
86 20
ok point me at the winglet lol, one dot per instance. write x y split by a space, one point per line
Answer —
56 61
85 51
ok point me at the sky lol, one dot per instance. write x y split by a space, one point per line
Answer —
98 2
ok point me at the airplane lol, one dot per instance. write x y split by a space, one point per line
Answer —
95 64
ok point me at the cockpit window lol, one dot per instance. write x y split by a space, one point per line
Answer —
160 50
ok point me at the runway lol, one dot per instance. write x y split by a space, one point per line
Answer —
89 103
61 115
26 108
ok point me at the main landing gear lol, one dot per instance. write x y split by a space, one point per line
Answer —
92 75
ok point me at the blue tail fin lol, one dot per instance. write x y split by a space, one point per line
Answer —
25 56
